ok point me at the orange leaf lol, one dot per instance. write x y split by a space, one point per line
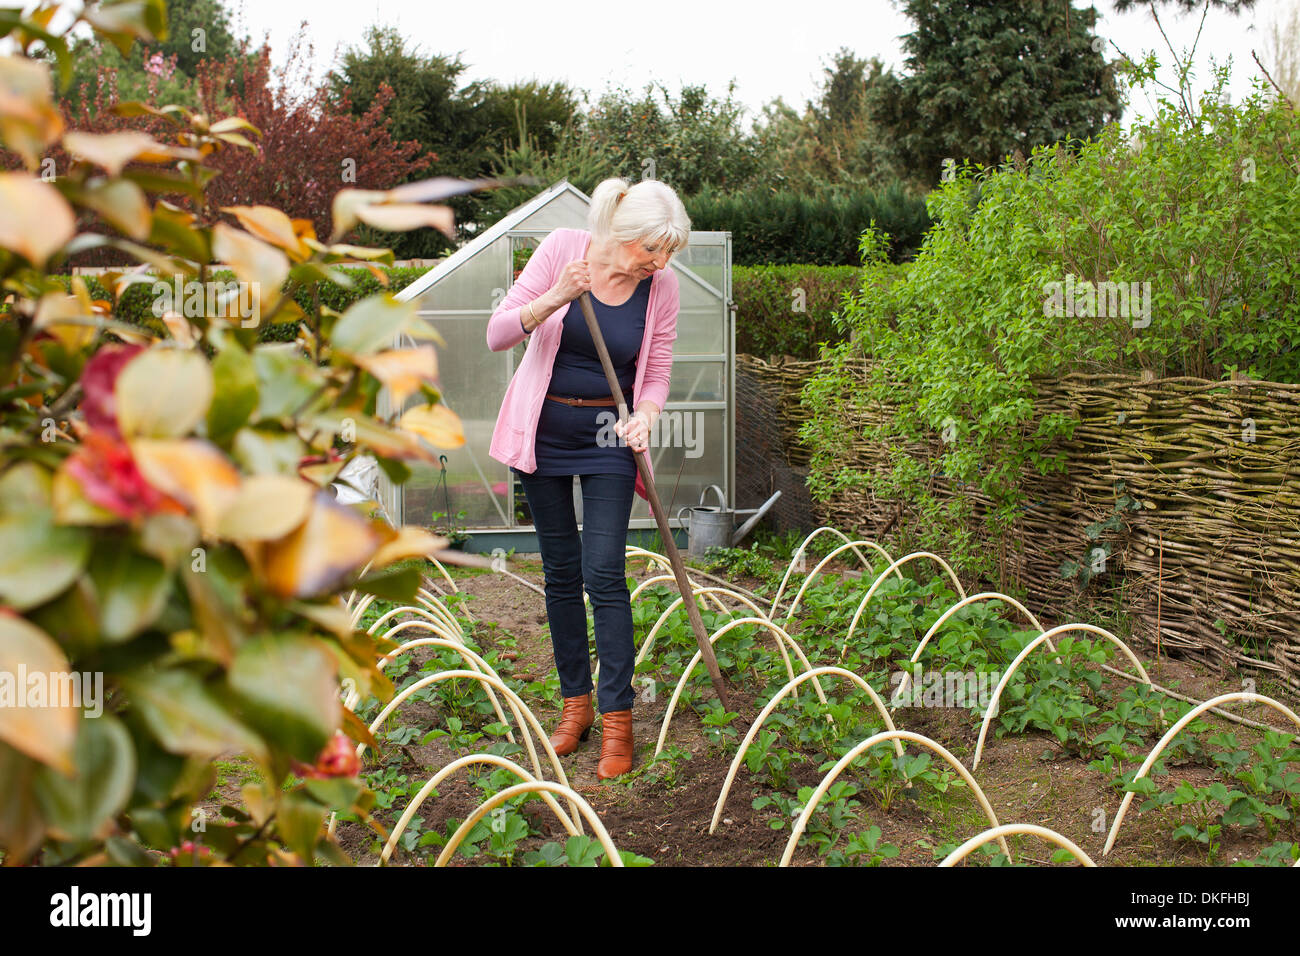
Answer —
192 471
267 507
55 307
29 120
436 424
322 553
410 542
263 266
271 225
37 221
30 661
402 371
113 151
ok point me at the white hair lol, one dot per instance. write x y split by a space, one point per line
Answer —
648 210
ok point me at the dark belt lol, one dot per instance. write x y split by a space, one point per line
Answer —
580 402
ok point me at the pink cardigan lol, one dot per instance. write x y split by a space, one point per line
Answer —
515 433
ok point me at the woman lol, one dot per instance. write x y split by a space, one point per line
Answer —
555 423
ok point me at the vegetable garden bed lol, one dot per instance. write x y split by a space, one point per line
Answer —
1066 741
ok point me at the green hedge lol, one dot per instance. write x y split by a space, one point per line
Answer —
823 229
787 310
772 316
136 304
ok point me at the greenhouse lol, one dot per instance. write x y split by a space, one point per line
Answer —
693 443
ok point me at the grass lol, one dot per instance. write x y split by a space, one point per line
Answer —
239 769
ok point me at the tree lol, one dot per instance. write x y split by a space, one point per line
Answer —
1231 6
572 155
834 141
458 126
985 80
547 110
311 145
1282 52
690 141
157 70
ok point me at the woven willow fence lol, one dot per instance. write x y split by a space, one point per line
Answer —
1209 566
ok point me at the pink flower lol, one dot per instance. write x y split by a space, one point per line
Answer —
108 475
97 381
160 65
337 759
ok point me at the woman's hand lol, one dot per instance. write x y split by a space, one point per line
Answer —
574 280
636 432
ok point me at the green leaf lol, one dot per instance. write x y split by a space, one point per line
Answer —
632 859
289 691
371 325
300 819
122 22
21 824
582 850
186 718
83 808
163 393
132 589
336 792
392 584
235 379
37 558
286 380
266 452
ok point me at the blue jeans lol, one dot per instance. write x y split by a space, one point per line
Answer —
596 561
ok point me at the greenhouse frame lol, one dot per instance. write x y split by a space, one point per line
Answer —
692 445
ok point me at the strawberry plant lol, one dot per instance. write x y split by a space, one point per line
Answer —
863 849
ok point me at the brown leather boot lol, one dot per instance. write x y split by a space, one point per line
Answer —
575 724
615 744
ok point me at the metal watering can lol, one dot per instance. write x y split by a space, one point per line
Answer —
714 527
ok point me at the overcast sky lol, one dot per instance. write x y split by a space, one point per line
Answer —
763 46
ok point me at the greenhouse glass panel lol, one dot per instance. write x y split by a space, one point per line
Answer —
475 483
470 287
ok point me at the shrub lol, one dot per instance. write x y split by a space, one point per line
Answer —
136 303
167 539
786 310
1197 210
821 229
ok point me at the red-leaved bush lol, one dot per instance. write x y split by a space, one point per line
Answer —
311 145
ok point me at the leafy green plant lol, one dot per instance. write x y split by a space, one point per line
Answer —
1281 853
164 506
863 849
1085 567
955 349
717 724
764 755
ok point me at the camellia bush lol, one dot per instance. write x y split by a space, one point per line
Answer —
171 556
1173 250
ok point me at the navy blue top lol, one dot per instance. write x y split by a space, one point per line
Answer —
580 440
